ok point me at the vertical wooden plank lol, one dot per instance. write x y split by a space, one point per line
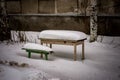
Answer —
78 6
13 7
29 6
38 6
46 6
65 6
20 6
56 7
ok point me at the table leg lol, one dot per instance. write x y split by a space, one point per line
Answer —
75 47
50 45
41 55
83 56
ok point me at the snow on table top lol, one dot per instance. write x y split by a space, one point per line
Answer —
36 47
62 34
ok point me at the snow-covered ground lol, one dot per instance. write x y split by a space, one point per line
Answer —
102 62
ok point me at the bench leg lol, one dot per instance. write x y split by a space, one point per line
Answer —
83 56
29 54
75 47
46 56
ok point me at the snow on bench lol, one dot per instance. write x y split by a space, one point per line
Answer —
62 35
65 37
37 48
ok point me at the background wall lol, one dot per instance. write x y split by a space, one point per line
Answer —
108 11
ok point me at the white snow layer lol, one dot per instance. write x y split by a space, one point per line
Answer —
14 73
28 36
62 34
36 47
102 61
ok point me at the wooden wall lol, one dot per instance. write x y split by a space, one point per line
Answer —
108 11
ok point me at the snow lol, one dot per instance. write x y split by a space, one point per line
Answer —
6 73
62 34
102 61
29 36
36 47
9 73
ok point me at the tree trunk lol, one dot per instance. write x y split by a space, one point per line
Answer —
4 28
93 21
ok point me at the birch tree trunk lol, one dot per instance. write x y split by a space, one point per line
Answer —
93 21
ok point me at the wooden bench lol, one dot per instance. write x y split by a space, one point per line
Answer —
64 37
38 51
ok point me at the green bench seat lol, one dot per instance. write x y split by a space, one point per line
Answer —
37 50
